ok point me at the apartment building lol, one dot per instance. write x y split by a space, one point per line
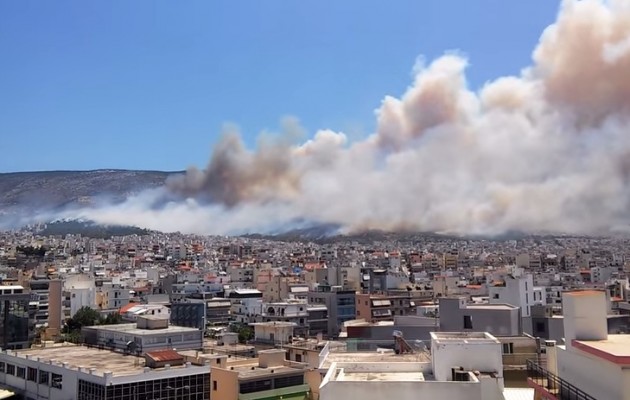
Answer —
147 334
48 295
270 376
461 366
457 315
340 303
518 290
382 307
295 312
591 363
111 295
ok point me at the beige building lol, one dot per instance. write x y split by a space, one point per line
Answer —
374 308
270 376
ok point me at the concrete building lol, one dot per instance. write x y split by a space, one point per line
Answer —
295 312
341 305
269 377
63 372
111 295
200 313
317 320
456 315
76 298
48 294
381 307
148 334
462 366
547 323
277 333
591 364
132 311
363 335
517 289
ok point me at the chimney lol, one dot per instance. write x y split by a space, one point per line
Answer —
585 316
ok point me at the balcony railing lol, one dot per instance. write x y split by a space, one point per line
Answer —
559 388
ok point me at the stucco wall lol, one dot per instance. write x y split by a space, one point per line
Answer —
595 376
378 390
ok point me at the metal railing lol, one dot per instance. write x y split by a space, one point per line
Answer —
559 388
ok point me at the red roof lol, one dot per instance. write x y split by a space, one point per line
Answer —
126 308
164 355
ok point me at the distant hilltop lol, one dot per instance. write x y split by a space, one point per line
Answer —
51 190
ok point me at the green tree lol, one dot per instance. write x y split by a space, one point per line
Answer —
85 316
111 319
245 332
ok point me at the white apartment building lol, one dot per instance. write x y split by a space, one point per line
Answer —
590 364
462 366
518 290
246 310
76 298
112 296
132 311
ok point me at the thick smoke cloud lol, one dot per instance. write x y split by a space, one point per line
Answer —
548 150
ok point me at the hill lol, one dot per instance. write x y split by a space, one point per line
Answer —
55 189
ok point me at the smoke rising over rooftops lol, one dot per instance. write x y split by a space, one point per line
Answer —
548 150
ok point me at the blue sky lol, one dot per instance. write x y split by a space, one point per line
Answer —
148 84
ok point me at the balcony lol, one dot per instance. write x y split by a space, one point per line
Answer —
544 381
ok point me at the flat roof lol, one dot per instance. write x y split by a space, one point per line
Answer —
80 356
133 329
615 349
381 376
491 306
275 323
463 337
373 357
2 287
246 371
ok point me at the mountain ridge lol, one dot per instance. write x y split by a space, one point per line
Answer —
52 190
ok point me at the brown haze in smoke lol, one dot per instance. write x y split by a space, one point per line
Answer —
236 174
544 151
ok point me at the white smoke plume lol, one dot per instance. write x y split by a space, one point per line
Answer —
548 150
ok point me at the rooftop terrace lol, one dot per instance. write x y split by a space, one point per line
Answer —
91 360
463 337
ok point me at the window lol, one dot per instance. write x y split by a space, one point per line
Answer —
10 369
468 322
56 381
508 348
495 296
540 327
255 386
32 374
21 372
214 386
43 377
1 367
287 381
